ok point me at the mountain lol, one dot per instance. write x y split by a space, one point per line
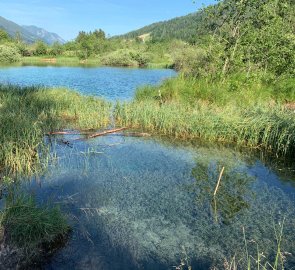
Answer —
185 28
12 29
44 35
29 33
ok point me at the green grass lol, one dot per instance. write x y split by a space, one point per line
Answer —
60 60
32 228
236 90
113 59
249 114
259 261
27 114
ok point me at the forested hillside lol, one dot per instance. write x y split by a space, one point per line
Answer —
184 28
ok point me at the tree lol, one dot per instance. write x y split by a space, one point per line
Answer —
56 49
99 34
40 48
4 37
9 54
254 33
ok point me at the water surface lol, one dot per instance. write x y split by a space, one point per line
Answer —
141 203
144 203
107 82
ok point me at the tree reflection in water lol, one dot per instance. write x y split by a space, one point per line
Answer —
233 195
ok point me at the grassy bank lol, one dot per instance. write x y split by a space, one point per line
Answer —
26 115
252 114
114 59
59 60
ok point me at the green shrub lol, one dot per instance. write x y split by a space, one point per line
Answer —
40 48
194 61
125 57
9 54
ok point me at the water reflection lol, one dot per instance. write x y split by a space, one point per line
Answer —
138 203
233 194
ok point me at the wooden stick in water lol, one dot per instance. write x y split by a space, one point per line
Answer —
86 133
218 182
106 132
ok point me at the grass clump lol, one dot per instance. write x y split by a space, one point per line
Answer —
31 228
28 113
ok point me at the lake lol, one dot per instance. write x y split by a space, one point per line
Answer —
147 203
106 82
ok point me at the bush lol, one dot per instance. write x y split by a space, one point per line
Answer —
193 61
9 54
40 48
125 57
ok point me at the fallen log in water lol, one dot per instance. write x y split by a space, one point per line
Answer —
106 132
61 133
94 135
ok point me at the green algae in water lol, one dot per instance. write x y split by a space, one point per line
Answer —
138 203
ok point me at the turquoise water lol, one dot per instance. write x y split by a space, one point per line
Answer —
107 82
142 203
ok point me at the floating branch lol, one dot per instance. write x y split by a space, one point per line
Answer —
106 132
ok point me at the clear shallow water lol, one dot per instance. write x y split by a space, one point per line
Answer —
139 203
107 82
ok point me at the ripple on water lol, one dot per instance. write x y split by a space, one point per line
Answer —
107 82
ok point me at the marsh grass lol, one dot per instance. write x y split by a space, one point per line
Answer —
28 113
248 114
60 60
32 228
259 261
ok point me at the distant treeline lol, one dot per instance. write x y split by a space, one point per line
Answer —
231 36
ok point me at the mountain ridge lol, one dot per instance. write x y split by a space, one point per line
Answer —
29 34
48 37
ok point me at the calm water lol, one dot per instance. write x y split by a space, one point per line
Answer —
142 203
138 203
107 82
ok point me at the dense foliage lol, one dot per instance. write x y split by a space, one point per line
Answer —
232 36
182 28
253 35
9 54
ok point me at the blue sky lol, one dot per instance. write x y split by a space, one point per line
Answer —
68 17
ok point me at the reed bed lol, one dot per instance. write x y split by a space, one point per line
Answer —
28 113
256 127
250 112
